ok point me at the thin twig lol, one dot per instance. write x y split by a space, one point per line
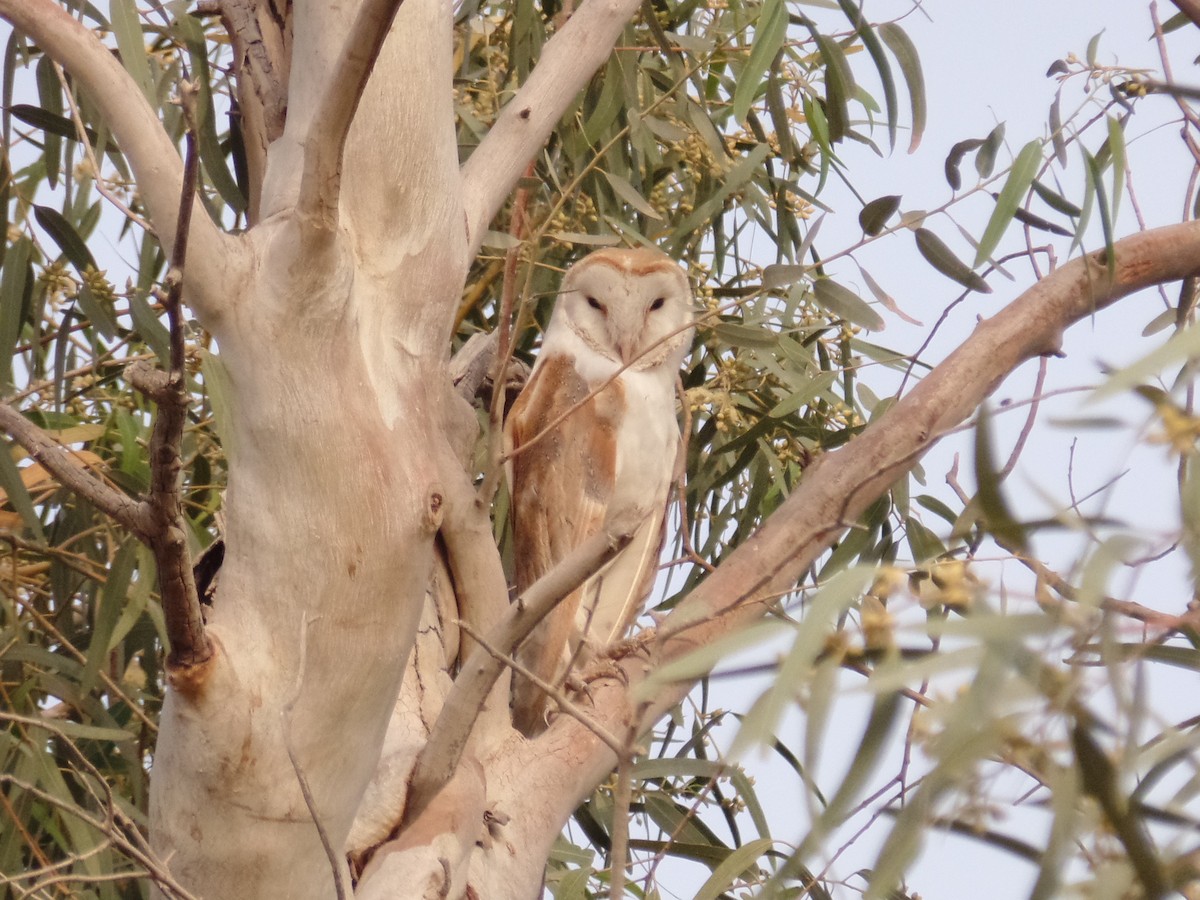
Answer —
622 801
73 474
190 645
439 757
564 702
81 131
504 351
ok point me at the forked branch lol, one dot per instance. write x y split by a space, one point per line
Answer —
567 63
439 757
321 183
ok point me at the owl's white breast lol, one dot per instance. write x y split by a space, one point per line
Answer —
648 436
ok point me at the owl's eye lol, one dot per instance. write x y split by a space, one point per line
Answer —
595 304
657 304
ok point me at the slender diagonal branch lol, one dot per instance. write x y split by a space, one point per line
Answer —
568 61
71 473
321 183
439 757
168 533
151 154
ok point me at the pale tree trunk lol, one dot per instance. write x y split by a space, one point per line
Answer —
334 623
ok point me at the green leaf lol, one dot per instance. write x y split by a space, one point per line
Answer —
905 52
779 275
1056 131
1015 187
211 153
985 159
18 496
843 302
938 255
220 392
1000 521
924 544
1116 147
873 217
954 159
839 87
50 95
733 181
50 123
127 27
15 283
769 33
1093 46
879 58
735 864
64 234
107 610
1055 200
630 195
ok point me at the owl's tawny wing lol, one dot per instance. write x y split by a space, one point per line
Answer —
560 486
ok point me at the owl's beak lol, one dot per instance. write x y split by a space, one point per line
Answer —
627 346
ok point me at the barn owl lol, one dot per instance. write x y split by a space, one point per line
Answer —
619 311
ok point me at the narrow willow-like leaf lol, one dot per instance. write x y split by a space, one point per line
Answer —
132 45
871 41
905 52
60 125
817 385
96 313
1116 147
1015 187
50 95
779 275
738 176
1027 218
64 234
839 87
985 159
843 302
110 602
18 496
1093 46
630 195
738 861
1055 200
220 393
1000 520
938 255
885 298
211 154
769 33
924 544
1064 798
873 217
1056 131
15 284
608 105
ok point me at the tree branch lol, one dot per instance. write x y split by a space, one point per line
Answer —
168 533
567 63
321 183
439 757
1190 8
153 158
128 511
841 485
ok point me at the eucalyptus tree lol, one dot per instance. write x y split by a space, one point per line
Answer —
254 501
